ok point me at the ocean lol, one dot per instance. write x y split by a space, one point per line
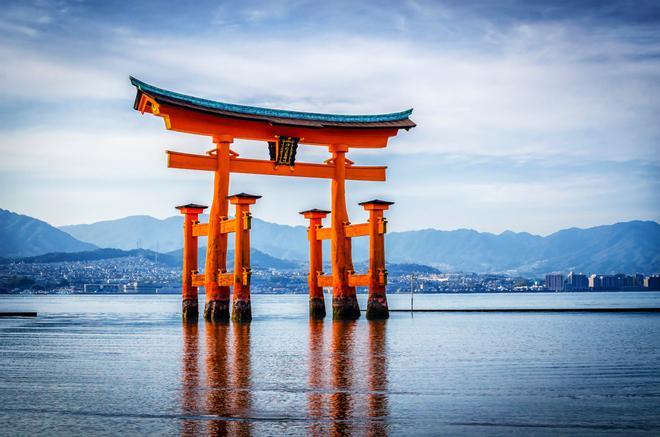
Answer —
125 364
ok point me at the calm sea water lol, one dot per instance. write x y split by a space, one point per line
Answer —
127 365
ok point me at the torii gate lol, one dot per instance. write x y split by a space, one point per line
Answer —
283 130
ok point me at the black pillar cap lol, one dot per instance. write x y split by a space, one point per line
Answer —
192 206
376 202
321 211
244 196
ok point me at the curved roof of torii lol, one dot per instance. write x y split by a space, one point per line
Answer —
398 120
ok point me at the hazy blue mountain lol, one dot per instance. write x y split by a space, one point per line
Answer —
258 259
281 241
463 249
21 235
139 231
95 255
623 247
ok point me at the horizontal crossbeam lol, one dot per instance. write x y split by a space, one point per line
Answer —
358 280
198 280
227 226
190 161
324 280
224 280
324 233
358 230
202 229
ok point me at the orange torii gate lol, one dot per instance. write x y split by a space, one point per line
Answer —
283 130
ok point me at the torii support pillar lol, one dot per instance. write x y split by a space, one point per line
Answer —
344 301
316 300
189 305
241 307
217 296
377 301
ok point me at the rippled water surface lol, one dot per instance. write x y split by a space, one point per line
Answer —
126 365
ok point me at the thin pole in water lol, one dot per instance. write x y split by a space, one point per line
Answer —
412 291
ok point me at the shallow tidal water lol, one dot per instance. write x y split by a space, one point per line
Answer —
107 365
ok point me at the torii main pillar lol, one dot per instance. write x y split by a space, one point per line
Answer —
344 301
217 296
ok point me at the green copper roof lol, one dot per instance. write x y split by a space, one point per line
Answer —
265 112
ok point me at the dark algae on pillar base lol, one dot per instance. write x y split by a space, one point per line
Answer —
241 311
345 308
190 310
317 307
217 311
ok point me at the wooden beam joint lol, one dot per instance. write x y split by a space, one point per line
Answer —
227 225
324 280
224 279
357 230
358 280
200 229
324 233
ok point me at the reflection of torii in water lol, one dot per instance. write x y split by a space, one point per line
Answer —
345 395
226 122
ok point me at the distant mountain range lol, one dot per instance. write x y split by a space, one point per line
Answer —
281 241
95 255
623 247
259 260
22 236
627 247
138 231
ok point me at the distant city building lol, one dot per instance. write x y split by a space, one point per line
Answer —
633 282
620 281
577 282
603 282
652 283
554 282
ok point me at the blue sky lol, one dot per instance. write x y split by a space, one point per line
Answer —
532 116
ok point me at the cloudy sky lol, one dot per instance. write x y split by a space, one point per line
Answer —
532 116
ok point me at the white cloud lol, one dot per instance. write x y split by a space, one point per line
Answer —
543 93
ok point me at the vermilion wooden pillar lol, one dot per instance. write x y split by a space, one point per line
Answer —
191 212
316 300
217 296
377 302
344 301
242 308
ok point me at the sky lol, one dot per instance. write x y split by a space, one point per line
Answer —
532 115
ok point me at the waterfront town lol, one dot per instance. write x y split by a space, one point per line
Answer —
144 275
